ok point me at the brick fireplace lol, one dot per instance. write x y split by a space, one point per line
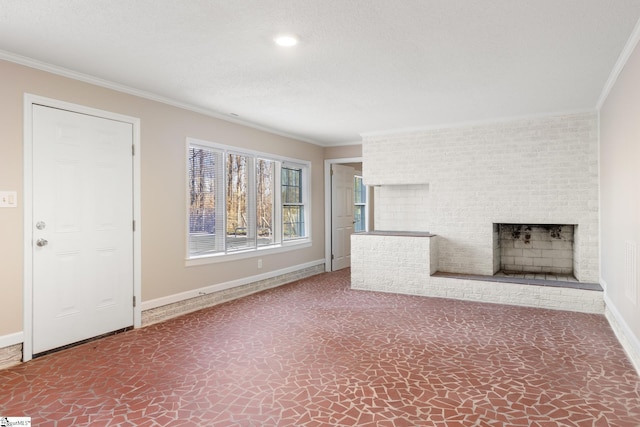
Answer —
457 182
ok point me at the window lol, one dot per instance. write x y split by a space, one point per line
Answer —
360 205
240 223
292 203
233 205
205 200
265 173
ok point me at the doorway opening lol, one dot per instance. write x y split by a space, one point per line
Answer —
356 205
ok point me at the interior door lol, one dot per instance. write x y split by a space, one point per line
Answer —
82 227
342 218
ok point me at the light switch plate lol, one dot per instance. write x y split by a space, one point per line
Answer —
8 199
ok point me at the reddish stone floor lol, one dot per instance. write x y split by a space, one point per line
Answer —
315 353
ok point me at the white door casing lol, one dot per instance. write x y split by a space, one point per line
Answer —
342 216
84 273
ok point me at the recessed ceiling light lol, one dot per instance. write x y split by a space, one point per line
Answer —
286 40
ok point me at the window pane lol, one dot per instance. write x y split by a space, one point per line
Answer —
360 190
239 235
359 215
293 222
360 201
291 185
293 225
265 174
202 214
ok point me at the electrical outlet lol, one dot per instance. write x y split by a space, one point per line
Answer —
260 263
8 199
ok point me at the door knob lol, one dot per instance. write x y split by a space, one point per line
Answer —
42 242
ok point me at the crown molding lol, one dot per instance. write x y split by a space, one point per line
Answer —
620 63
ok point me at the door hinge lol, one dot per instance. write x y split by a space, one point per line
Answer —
133 150
134 300
134 225
331 257
331 170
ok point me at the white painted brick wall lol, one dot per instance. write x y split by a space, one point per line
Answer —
533 171
396 262
398 206
399 265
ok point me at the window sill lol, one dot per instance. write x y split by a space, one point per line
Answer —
251 253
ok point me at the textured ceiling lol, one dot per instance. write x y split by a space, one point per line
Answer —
361 66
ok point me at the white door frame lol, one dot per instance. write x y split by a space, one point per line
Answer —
29 101
327 205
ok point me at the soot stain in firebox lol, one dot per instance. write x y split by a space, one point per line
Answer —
555 232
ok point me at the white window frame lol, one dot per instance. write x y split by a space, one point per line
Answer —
279 245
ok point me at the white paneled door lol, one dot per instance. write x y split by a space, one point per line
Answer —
82 227
342 219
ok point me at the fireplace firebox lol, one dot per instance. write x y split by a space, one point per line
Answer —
534 248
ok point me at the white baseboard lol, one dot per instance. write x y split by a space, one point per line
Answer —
625 336
182 296
11 339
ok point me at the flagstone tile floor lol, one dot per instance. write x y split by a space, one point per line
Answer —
315 353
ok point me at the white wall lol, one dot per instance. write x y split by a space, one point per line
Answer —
620 200
463 179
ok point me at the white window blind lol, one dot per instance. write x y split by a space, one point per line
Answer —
206 201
